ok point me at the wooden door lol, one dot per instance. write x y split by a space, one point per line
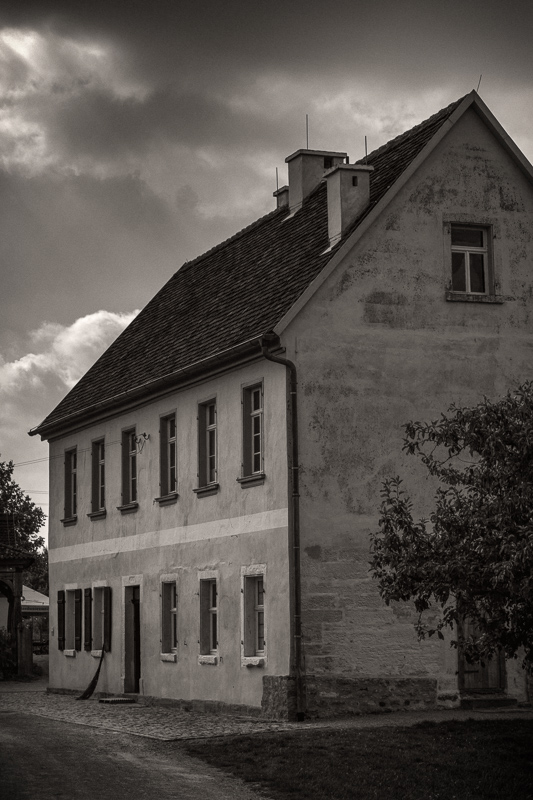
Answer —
132 639
480 678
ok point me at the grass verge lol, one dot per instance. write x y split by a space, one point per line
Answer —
455 760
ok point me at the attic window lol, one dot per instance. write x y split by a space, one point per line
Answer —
470 259
328 162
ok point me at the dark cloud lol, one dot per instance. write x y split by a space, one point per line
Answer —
99 124
135 135
213 42
73 244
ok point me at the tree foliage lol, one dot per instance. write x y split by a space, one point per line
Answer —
473 557
28 520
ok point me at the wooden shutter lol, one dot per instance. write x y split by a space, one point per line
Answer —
107 618
247 467
87 619
163 457
202 461
95 488
125 468
77 619
205 621
61 620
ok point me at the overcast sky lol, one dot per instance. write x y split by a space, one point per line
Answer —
136 135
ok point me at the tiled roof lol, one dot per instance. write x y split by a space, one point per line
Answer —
235 292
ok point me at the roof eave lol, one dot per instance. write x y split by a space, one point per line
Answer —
220 361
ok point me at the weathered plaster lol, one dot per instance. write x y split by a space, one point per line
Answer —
379 344
232 529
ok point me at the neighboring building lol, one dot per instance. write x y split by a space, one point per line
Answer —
180 538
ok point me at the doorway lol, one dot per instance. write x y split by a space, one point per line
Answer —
479 678
132 638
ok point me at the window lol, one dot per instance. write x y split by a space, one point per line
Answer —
98 477
253 430
129 467
101 619
470 259
254 616
207 443
168 454
169 617
208 617
69 620
71 485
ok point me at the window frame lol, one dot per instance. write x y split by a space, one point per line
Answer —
101 618
488 296
168 445
71 486
253 459
169 617
207 448
253 616
98 483
69 625
129 470
209 593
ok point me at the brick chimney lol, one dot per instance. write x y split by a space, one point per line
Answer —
282 196
348 196
306 170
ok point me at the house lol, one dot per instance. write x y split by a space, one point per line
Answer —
215 475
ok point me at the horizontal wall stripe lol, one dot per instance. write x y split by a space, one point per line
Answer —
216 529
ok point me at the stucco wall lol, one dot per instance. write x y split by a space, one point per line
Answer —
236 527
379 345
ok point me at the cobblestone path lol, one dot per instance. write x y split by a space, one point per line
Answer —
156 722
173 724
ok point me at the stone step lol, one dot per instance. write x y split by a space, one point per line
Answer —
481 701
117 700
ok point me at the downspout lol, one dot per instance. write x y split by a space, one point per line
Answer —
296 653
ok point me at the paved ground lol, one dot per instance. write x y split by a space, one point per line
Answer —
42 759
173 724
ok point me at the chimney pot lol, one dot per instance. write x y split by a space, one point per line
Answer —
348 196
282 196
306 170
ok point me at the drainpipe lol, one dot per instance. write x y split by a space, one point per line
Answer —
296 654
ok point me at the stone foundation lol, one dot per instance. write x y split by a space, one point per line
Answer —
279 697
339 696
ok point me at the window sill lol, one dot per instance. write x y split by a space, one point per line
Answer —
69 521
463 297
204 660
128 508
167 499
168 657
69 653
97 514
252 480
253 661
96 653
206 491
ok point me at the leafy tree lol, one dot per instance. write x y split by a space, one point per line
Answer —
29 518
473 557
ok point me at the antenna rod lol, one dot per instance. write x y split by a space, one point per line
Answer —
277 182
307 131
479 82
366 153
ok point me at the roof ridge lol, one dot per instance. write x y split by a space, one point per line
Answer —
231 238
446 111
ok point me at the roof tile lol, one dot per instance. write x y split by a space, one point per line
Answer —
236 291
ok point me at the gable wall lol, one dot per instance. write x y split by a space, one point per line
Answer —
378 345
234 528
